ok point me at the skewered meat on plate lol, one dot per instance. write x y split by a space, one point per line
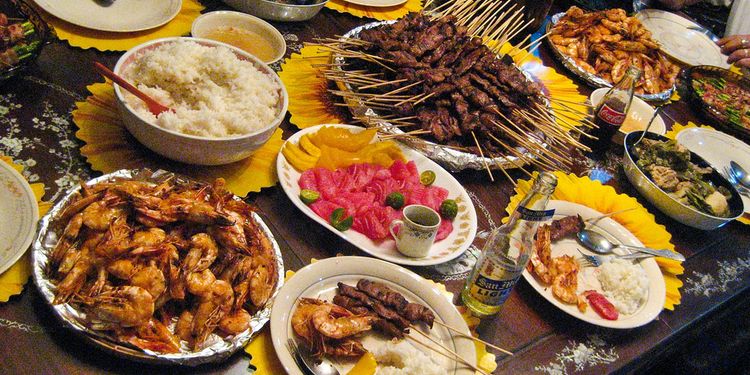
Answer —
136 257
607 42
466 90
331 329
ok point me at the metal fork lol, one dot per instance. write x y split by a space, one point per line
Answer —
596 260
307 364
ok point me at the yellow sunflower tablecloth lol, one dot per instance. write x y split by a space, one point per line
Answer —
13 280
378 13
85 38
110 147
638 221
263 357
311 104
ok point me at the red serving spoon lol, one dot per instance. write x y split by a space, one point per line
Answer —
155 107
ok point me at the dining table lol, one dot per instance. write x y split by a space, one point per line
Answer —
707 332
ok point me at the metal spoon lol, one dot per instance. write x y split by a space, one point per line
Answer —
656 113
153 106
599 244
739 174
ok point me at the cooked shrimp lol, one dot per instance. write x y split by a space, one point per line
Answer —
615 15
116 240
565 282
154 336
540 258
99 215
211 309
70 234
184 327
124 306
302 314
74 279
200 283
151 279
232 236
203 251
334 327
236 322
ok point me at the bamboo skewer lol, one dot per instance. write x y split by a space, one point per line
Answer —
456 357
597 218
481 153
473 338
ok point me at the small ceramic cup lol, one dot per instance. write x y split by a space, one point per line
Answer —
418 229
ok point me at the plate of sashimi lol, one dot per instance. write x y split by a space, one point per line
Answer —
355 184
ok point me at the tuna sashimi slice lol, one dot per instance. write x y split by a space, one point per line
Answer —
444 230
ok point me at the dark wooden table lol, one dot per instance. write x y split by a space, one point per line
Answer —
708 331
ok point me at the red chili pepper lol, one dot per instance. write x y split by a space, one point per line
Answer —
601 305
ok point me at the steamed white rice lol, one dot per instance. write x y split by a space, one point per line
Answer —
402 358
213 93
625 284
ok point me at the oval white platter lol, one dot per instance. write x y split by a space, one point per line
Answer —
718 149
19 213
586 276
678 40
464 225
113 15
319 280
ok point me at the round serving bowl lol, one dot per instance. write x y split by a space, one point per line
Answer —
193 149
665 203
207 22
639 111
275 11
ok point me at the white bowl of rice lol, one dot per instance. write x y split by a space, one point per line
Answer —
225 102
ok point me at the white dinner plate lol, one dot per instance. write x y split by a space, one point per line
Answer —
319 280
377 3
688 46
718 149
18 216
113 15
586 278
464 225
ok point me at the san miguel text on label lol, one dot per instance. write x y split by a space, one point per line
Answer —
507 251
612 111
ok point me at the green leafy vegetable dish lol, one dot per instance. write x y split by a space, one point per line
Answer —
668 165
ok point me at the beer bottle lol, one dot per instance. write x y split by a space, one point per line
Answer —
612 110
507 250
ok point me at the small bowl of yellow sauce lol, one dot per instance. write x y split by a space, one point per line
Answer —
248 33
638 115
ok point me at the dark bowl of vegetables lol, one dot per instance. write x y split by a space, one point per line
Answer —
23 33
722 96
680 183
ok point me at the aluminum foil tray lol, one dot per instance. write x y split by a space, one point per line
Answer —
593 79
216 349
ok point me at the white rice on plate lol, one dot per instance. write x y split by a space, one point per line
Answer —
213 93
402 358
625 284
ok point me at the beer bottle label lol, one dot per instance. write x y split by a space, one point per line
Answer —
611 116
493 283
533 215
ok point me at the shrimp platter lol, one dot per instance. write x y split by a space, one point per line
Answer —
606 43
177 271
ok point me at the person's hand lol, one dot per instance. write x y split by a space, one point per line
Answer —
738 49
